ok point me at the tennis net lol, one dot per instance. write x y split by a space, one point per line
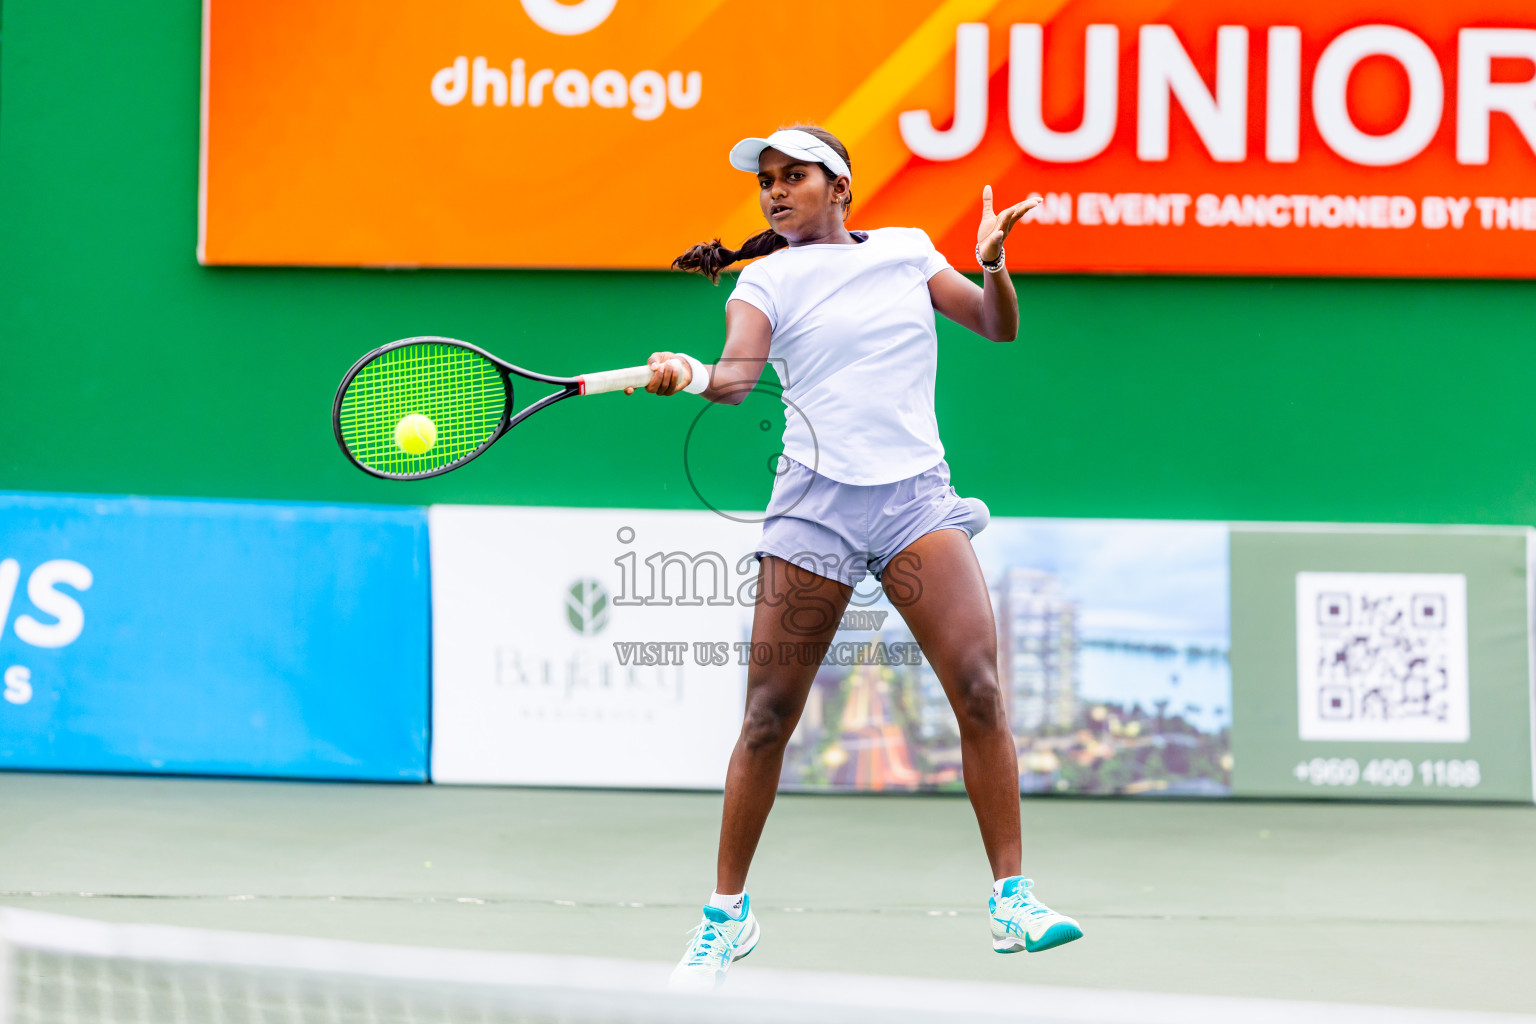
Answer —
65 970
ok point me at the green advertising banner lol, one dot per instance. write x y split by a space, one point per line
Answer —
1377 662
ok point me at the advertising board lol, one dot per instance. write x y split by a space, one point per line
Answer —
210 637
610 647
1296 137
1382 662
584 646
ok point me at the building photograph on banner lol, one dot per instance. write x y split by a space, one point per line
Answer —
1112 658
1201 136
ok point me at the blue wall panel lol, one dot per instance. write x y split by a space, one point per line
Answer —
213 637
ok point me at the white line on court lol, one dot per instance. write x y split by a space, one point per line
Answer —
913 910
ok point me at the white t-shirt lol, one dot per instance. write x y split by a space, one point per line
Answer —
856 351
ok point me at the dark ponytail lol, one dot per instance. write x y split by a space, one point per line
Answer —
709 259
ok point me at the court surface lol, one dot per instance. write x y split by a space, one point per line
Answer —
1429 906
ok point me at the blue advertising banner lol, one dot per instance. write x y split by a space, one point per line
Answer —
213 637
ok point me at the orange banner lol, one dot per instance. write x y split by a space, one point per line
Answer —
1180 136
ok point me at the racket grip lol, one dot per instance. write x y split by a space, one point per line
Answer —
614 380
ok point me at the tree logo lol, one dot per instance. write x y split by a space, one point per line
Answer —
586 607
568 19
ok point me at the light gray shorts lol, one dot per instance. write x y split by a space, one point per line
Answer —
845 531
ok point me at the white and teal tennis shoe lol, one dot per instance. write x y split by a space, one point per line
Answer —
1019 921
719 940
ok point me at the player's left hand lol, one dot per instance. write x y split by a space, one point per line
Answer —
995 226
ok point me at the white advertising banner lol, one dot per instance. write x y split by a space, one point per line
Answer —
609 647
588 646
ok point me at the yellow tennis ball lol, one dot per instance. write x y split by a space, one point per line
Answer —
415 434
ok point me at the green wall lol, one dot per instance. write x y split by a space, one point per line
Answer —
129 368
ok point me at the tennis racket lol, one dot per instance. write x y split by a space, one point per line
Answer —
420 407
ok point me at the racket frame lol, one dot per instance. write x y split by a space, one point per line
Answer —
570 387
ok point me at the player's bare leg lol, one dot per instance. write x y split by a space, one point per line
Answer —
797 607
795 619
938 586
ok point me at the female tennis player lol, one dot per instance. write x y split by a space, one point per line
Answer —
847 317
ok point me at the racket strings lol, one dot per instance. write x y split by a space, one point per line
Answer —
461 392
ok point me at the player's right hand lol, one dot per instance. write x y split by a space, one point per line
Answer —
670 373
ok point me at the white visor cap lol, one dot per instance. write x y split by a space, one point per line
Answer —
790 142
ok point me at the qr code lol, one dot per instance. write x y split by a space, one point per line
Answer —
1382 656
